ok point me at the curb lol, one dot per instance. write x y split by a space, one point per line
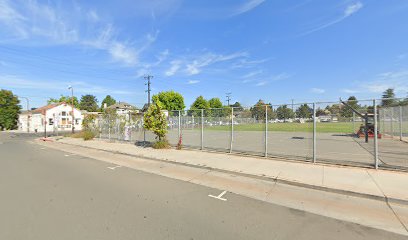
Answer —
276 180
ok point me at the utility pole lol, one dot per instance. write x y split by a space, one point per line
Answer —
228 96
148 78
72 108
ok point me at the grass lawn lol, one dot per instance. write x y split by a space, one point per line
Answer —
330 127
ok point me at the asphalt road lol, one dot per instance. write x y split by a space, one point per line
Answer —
49 194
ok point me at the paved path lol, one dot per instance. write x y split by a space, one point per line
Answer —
376 183
50 194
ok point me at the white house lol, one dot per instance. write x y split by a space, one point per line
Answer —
53 117
123 108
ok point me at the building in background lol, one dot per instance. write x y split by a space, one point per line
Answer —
123 108
51 118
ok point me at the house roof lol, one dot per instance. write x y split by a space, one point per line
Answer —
47 107
122 105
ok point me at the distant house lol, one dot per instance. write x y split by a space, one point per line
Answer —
123 108
53 117
328 118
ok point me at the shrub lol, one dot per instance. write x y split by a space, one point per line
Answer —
88 135
161 144
155 121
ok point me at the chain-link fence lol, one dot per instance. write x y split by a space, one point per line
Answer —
364 133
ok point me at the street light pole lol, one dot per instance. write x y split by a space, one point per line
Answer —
72 107
28 113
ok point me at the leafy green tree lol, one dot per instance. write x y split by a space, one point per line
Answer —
346 111
199 103
259 109
215 103
386 102
237 106
9 110
108 100
155 121
217 108
320 112
333 109
65 99
283 112
304 111
89 103
169 100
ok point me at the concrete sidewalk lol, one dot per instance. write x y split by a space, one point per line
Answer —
376 184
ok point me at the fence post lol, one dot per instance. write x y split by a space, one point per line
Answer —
202 129
375 135
179 125
266 131
354 122
314 132
400 121
232 128
392 122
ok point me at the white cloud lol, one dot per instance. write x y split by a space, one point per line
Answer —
12 81
48 24
123 53
280 76
317 90
350 10
175 66
252 74
262 83
204 60
398 80
93 16
247 6
350 91
193 82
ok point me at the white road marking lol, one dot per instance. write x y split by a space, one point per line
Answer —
66 155
42 148
113 168
219 196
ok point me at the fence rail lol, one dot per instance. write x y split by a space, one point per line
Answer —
314 132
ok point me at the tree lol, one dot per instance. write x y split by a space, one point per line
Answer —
387 98
169 100
320 112
283 112
217 109
108 100
9 110
258 110
237 106
199 103
215 103
346 111
64 99
88 103
155 121
333 109
304 111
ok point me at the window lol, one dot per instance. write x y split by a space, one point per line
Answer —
64 113
50 121
64 121
77 121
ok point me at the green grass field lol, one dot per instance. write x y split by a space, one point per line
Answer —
330 127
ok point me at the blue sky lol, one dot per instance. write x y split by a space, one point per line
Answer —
276 50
